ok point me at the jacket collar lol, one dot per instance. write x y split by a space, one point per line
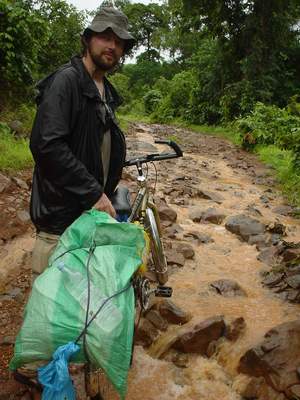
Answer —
89 88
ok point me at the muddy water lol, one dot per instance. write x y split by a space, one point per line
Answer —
227 257
215 378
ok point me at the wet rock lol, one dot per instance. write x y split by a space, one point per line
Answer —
180 201
195 214
166 224
269 256
167 214
198 337
228 288
277 227
205 194
293 392
292 295
253 388
169 190
7 340
16 126
213 216
272 279
264 199
20 183
235 329
172 231
212 348
5 183
181 360
291 255
16 294
253 210
275 239
256 388
293 269
175 258
281 287
239 194
146 333
276 358
261 241
293 281
23 216
283 210
156 319
186 250
200 238
244 226
172 313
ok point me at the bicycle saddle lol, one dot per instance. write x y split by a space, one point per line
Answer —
121 201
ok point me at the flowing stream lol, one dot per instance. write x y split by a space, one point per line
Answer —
227 257
154 376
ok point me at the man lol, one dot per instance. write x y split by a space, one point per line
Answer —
77 146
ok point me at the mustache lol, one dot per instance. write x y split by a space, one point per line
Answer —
109 53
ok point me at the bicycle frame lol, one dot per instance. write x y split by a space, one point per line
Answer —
145 211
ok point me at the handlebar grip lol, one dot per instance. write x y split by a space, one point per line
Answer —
172 144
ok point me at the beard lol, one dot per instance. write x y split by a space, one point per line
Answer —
100 61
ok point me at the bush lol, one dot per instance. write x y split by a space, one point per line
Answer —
152 100
177 102
162 85
271 125
283 163
121 83
24 113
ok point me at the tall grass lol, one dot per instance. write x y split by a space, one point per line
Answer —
282 162
14 153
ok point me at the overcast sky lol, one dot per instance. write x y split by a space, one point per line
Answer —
93 4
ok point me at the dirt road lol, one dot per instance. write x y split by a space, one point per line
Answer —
212 185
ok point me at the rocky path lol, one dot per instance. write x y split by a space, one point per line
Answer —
232 329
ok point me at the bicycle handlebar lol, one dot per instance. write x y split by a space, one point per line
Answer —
157 156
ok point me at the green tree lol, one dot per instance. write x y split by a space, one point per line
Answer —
146 22
65 24
254 46
23 32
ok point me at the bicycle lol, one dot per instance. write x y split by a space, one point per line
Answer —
144 211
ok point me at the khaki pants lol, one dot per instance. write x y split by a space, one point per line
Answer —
43 248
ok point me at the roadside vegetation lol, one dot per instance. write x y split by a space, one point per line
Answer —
14 153
226 68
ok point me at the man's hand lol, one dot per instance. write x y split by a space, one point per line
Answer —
104 204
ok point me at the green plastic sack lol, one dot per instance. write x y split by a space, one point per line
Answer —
56 311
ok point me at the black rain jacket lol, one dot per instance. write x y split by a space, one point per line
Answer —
66 145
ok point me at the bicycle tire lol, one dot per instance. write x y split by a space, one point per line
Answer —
156 246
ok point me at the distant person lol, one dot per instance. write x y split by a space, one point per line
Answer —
76 143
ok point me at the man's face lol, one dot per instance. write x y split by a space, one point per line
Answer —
106 49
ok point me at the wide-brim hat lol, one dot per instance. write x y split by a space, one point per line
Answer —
116 20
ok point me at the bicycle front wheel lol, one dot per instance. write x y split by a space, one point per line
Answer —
157 250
